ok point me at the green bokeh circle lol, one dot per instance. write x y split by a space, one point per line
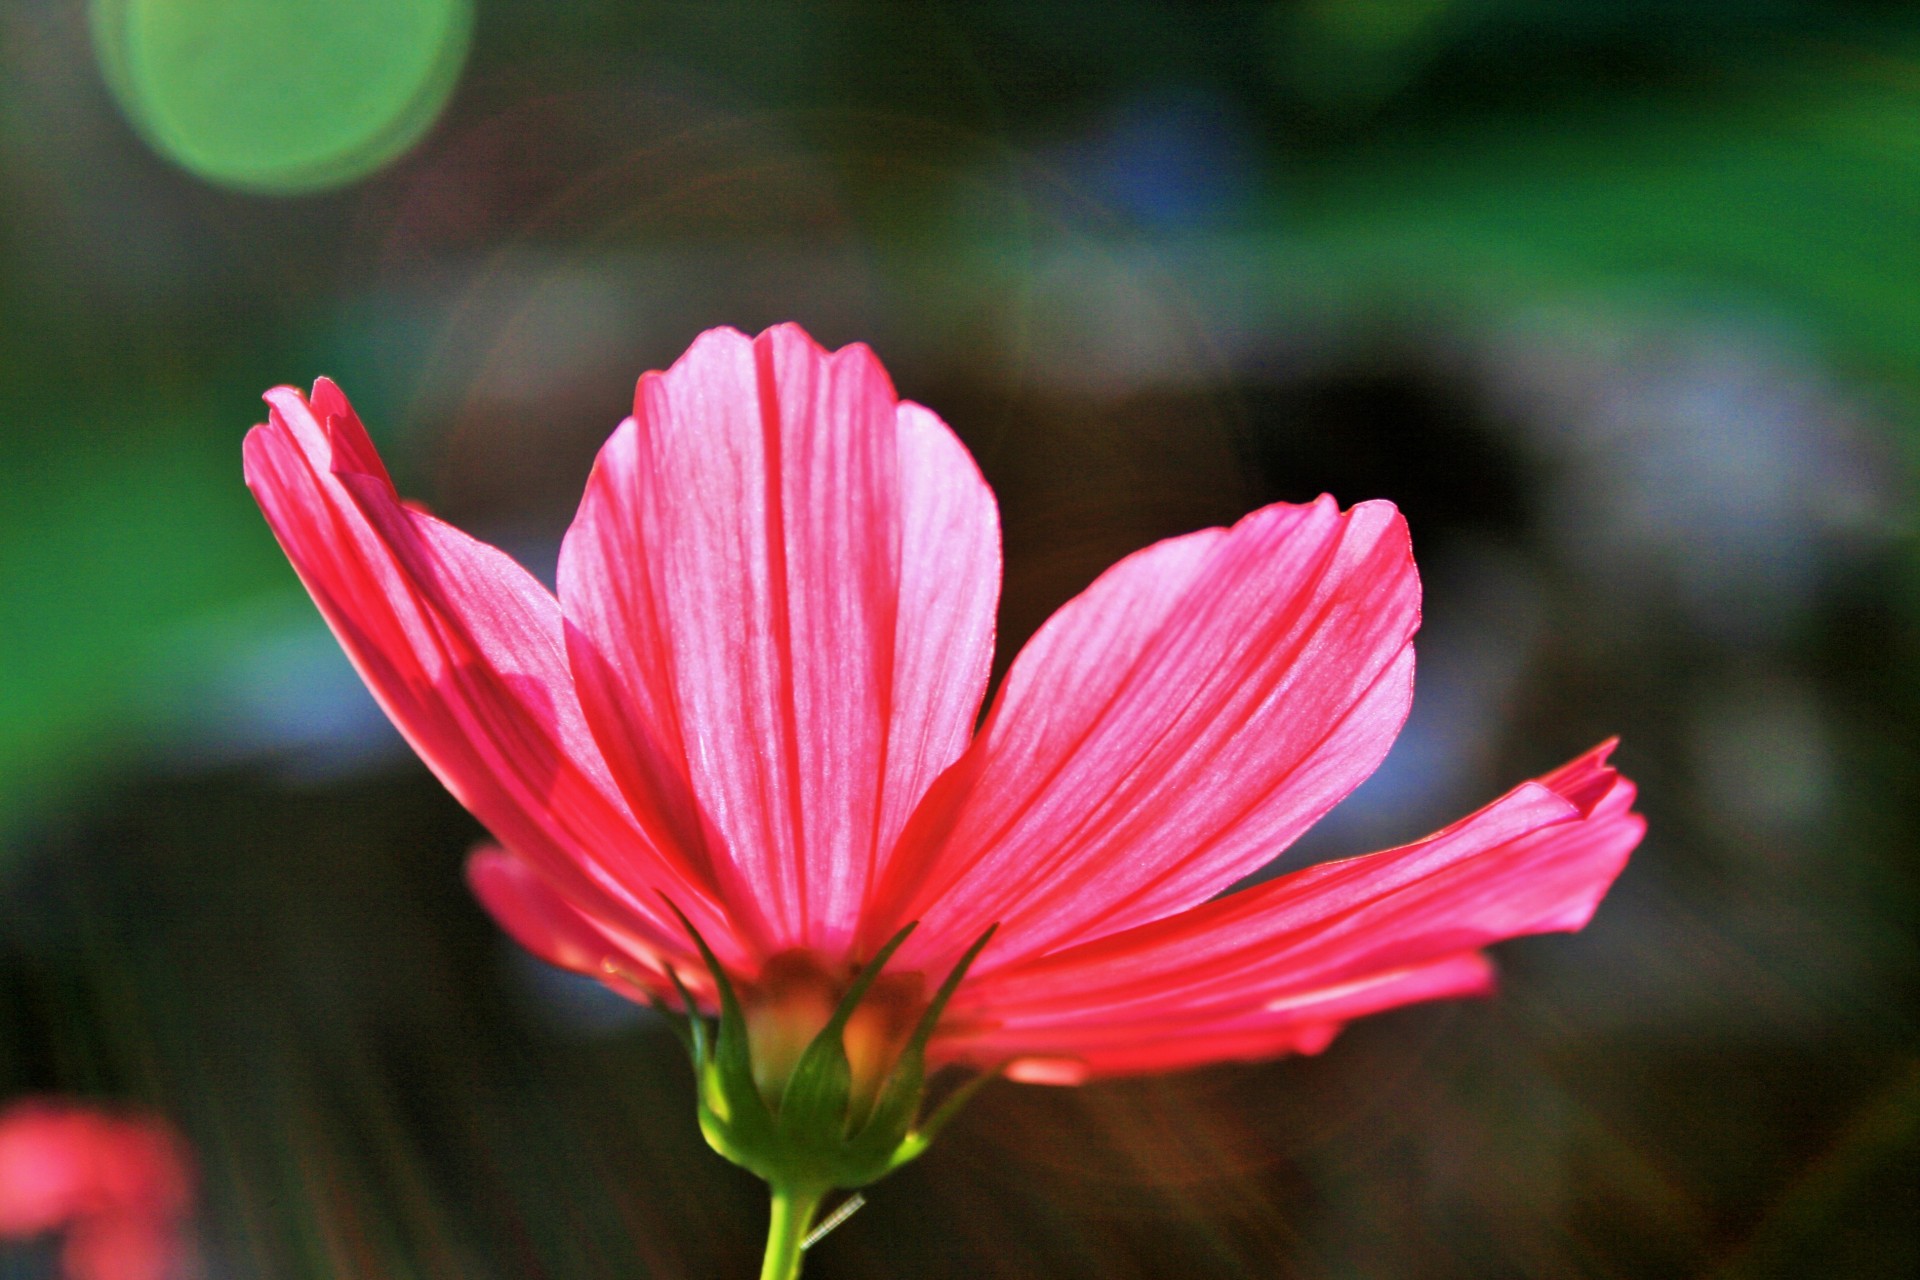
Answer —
281 95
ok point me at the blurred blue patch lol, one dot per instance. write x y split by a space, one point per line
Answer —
1174 161
567 1005
281 691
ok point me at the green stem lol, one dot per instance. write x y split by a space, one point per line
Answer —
788 1225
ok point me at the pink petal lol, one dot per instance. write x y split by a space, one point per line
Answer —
780 592
67 1165
1307 1026
1172 728
464 651
545 923
47 1156
1319 946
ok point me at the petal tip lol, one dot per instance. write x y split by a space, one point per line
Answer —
1587 779
1314 1037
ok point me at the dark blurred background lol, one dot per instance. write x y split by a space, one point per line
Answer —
1619 299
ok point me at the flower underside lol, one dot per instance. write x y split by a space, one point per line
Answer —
813 1092
739 745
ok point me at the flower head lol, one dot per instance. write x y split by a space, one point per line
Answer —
118 1186
745 725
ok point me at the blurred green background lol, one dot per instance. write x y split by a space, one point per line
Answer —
1619 299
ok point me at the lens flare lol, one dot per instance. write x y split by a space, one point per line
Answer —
281 96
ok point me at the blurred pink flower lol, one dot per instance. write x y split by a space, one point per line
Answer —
755 695
119 1187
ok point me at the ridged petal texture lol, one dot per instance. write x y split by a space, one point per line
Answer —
1168 731
755 695
1281 965
465 651
780 593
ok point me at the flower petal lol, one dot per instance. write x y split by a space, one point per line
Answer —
1323 944
949 592
1307 1026
64 1164
780 589
551 927
463 649
46 1166
1172 728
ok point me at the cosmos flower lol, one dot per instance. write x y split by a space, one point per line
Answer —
733 763
118 1187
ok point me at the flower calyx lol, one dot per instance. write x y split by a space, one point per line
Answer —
819 1119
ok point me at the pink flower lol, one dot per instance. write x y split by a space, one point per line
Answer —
754 700
119 1187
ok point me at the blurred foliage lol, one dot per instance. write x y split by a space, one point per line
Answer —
1792 190
1484 154
1765 158
112 542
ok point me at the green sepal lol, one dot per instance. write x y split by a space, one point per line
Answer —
891 1119
732 1114
818 1136
813 1106
695 1034
891 1125
915 1143
938 1005
684 1025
